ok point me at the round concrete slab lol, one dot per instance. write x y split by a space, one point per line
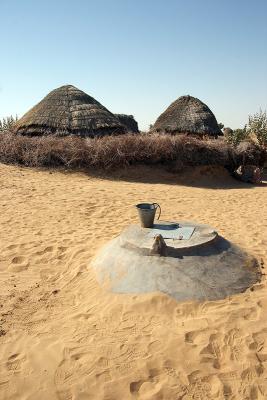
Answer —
210 269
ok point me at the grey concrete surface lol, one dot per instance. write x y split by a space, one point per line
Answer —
208 270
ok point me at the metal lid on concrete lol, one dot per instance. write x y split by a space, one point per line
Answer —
178 235
203 267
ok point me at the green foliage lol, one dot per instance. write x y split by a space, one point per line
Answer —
256 128
257 125
6 124
221 126
236 136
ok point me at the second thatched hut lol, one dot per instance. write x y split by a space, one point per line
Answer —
186 115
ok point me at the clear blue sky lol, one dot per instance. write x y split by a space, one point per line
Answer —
136 56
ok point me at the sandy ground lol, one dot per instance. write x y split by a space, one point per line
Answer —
63 337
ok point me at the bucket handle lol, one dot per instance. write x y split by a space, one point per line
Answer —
156 205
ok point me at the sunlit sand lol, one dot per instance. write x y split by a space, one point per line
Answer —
63 337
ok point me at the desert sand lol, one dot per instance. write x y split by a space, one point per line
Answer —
63 337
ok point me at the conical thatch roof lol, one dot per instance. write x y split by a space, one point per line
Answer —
68 110
188 115
129 122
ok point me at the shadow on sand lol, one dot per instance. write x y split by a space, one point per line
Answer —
210 177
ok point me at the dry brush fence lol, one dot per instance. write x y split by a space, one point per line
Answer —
112 152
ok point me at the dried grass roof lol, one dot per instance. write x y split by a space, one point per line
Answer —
68 110
188 115
129 122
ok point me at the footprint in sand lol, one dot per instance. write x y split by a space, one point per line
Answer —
14 362
64 394
11 247
199 336
213 352
146 388
155 346
18 264
48 249
103 362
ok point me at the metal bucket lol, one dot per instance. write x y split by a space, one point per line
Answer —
147 212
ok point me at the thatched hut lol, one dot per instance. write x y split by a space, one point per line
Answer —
128 122
188 115
67 110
